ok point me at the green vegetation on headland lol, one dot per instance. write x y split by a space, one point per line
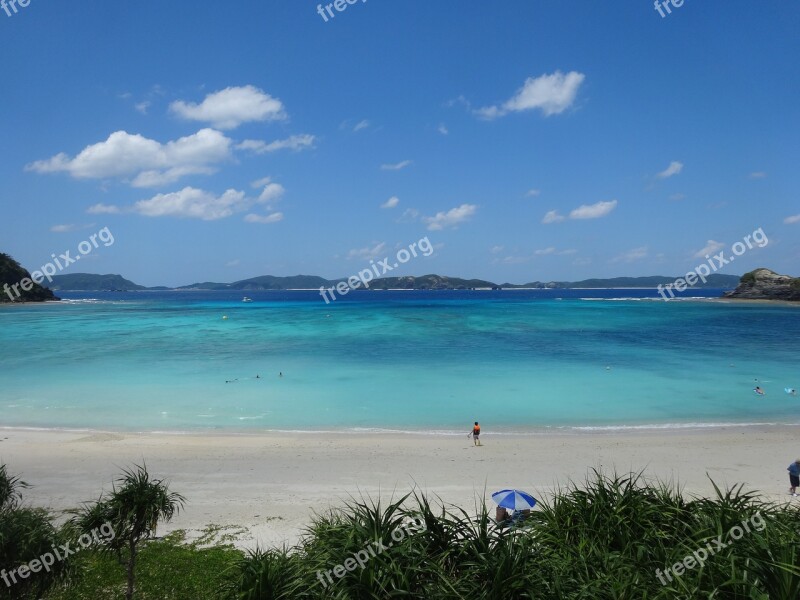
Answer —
88 282
613 537
12 274
764 284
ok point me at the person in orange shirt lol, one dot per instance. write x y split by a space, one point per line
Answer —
476 434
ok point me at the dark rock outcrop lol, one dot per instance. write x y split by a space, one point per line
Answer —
763 284
12 274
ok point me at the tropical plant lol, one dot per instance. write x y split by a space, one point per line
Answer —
133 509
26 534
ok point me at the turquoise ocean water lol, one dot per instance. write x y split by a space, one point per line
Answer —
401 361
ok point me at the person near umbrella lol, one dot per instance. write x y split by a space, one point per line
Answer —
520 502
476 434
794 476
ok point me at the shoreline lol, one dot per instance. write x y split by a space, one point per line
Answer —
522 432
270 484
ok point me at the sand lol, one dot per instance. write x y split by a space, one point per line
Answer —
270 484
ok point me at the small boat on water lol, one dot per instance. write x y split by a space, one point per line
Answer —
246 299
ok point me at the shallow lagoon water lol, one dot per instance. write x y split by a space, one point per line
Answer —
400 361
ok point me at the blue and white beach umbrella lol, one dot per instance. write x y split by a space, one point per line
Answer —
514 499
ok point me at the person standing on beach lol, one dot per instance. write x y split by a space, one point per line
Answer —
794 476
476 434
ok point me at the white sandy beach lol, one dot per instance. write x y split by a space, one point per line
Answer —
272 482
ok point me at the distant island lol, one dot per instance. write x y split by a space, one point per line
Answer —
17 284
764 284
93 283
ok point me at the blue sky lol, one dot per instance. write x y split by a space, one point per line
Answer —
528 140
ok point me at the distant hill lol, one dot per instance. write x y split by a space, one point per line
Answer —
87 282
764 284
266 282
12 274
429 282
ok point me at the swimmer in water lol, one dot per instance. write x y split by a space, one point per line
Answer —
758 391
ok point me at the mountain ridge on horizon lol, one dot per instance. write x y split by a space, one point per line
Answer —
111 282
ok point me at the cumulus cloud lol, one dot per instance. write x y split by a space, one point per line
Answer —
264 219
533 193
270 191
674 168
409 216
370 252
295 143
792 220
150 162
552 216
551 94
229 108
593 211
192 203
142 107
496 249
634 255
711 248
103 209
451 218
396 166
361 125
391 202
552 250
584 211
442 129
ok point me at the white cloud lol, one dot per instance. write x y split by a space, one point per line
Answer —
634 255
192 203
391 202
272 192
451 218
792 220
533 193
552 250
711 248
593 211
229 108
552 217
103 209
442 129
397 166
552 94
674 168
63 228
361 125
264 219
677 197
758 175
514 260
585 211
233 263
124 154
295 143
147 179
496 249
409 215
367 253
143 106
